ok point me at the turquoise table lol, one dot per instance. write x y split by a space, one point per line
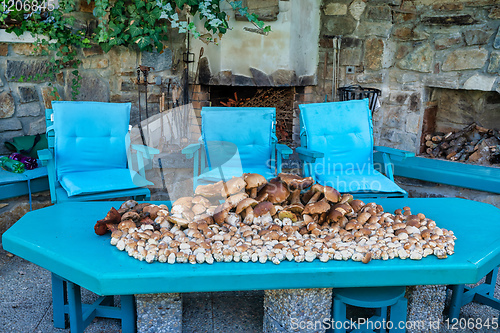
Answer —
61 239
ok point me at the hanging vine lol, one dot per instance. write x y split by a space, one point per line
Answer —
140 24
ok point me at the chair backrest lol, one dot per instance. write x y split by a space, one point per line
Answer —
250 129
341 130
89 136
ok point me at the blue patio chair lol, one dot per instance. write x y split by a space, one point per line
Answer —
337 149
89 153
89 158
236 140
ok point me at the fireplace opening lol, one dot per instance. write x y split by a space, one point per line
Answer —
463 126
281 98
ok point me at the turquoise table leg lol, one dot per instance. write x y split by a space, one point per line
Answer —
128 316
339 314
398 316
75 308
58 299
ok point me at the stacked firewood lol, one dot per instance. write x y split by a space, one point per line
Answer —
471 144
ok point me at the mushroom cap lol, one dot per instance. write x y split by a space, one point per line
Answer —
317 188
254 180
316 207
184 201
234 200
245 203
331 194
357 204
263 208
210 190
276 190
334 216
182 223
201 200
152 210
232 186
295 208
295 182
221 213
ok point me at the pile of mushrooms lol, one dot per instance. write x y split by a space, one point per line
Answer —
288 218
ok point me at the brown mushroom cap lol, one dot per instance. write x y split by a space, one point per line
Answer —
152 210
201 201
276 190
297 208
316 208
244 204
233 186
331 194
182 223
295 182
317 189
357 205
263 208
235 199
221 213
184 201
254 181
334 216
210 190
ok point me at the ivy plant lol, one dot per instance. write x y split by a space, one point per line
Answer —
140 24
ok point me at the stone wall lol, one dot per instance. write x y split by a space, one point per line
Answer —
405 47
105 77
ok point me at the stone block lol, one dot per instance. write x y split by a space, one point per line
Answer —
92 51
449 20
285 309
414 102
398 98
494 13
260 78
374 49
494 65
379 29
307 80
379 13
413 123
128 86
29 110
37 127
409 33
406 78
93 87
28 49
7 106
25 68
448 41
448 6
420 60
350 56
402 17
343 25
462 59
159 313
86 7
445 80
160 61
477 36
204 72
241 80
335 8
351 42
27 94
48 95
356 8
11 124
370 78
480 82
496 42
284 78
4 49
94 63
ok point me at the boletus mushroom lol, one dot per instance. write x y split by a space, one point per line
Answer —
254 181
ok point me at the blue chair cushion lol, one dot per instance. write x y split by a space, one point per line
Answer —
90 136
340 130
226 173
359 181
252 135
96 181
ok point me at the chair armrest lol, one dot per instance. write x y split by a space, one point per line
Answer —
191 149
397 154
308 155
146 150
284 150
44 155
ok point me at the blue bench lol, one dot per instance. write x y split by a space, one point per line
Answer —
470 176
16 184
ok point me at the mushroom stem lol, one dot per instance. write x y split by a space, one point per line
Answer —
253 192
314 198
295 198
